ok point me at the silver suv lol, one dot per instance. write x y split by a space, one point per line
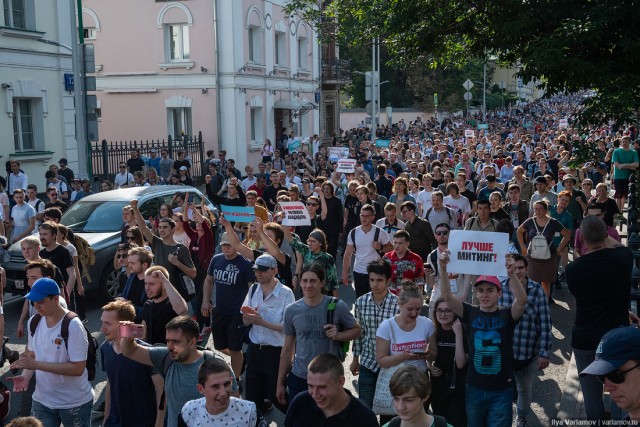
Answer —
98 219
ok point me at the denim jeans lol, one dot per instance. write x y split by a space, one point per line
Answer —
489 408
367 386
80 416
295 386
592 389
524 384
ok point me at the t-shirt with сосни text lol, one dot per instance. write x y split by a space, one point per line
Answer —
231 278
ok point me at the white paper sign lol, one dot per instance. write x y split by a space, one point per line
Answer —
346 166
337 153
478 252
295 213
469 133
564 123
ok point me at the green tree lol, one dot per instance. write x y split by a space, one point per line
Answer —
568 44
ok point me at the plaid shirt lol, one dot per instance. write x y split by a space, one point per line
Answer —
370 315
533 332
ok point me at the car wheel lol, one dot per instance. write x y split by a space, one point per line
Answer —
110 283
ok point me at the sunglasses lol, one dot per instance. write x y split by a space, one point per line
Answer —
312 204
442 233
616 377
122 256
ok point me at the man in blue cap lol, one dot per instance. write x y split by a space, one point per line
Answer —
63 392
617 366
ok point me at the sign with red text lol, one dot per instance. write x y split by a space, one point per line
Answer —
346 166
478 252
469 133
295 213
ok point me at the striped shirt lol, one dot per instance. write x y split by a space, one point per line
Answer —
532 335
370 315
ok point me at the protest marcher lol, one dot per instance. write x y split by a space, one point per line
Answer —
422 239
482 221
327 402
178 363
459 203
593 210
370 310
366 242
405 265
490 328
606 203
22 218
542 193
625 162
531 339
597 312
616 366
390 223
138 261
331 216
307 332
439 213
163 304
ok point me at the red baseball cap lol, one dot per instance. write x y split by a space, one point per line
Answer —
493 280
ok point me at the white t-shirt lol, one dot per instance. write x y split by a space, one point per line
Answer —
402 341
123 179
461 206
364 251
182 238
424 199
239 413
247 182
60 391
21 215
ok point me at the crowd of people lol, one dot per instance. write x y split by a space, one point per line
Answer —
429 346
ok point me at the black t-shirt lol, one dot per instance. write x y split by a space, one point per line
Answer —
304 412
61 258
135 165
136 293
156 316
600 282
446 353
284 270
353 220
177 164
490 347
303 231
470 195
499 215
332 225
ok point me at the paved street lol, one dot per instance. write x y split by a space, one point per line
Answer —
547 392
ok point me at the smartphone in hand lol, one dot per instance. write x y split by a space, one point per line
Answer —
131 330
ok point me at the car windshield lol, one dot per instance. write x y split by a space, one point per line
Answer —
94 217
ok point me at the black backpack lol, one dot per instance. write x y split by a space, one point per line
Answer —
92 349
352 236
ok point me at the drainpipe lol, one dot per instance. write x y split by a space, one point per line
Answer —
217 49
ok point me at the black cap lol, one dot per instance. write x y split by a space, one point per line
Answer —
63 160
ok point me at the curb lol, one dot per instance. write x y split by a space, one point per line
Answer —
571 403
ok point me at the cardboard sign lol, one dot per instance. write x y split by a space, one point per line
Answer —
478 252
239 213
346 166
382 143
295 213
564 123
337 153
469 133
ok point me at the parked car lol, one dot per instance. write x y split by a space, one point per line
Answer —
98 219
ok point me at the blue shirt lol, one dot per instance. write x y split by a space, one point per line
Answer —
231 278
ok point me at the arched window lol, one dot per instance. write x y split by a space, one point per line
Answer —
304 36
175 20
254 35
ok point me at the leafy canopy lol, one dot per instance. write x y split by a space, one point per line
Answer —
568 44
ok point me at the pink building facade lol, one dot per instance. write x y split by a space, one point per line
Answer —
237 70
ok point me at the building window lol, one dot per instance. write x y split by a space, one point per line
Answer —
15 15
253 37
255 124
281 49
177 42
23 136
89 33
180 121
303 56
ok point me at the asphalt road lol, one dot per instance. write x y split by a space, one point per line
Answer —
547 388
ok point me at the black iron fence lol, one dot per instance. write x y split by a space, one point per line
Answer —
106 156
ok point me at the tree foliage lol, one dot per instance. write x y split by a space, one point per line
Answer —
569 45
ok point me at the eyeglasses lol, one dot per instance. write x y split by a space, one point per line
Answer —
443 311
122 256
616 377
312 204
442 233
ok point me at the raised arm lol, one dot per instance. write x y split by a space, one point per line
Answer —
445 287
270 246
148 235
178 304
242 249
517 289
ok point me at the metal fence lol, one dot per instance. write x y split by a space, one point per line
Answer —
106 156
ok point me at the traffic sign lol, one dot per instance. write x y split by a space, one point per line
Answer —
468 84
467 96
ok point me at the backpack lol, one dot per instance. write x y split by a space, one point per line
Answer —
343 345
92 349
86 256
352 236
539 247
448 214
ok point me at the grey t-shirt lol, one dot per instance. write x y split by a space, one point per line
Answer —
179 384
307 325
165 168
161 254
445 215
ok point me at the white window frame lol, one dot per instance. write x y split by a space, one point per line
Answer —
18 130
90 33
254 43
8 9
181 56
303 53
184 116
280 54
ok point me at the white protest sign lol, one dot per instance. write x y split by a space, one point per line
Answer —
478 252
564 123
337 153
346 166
295 213
469 133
